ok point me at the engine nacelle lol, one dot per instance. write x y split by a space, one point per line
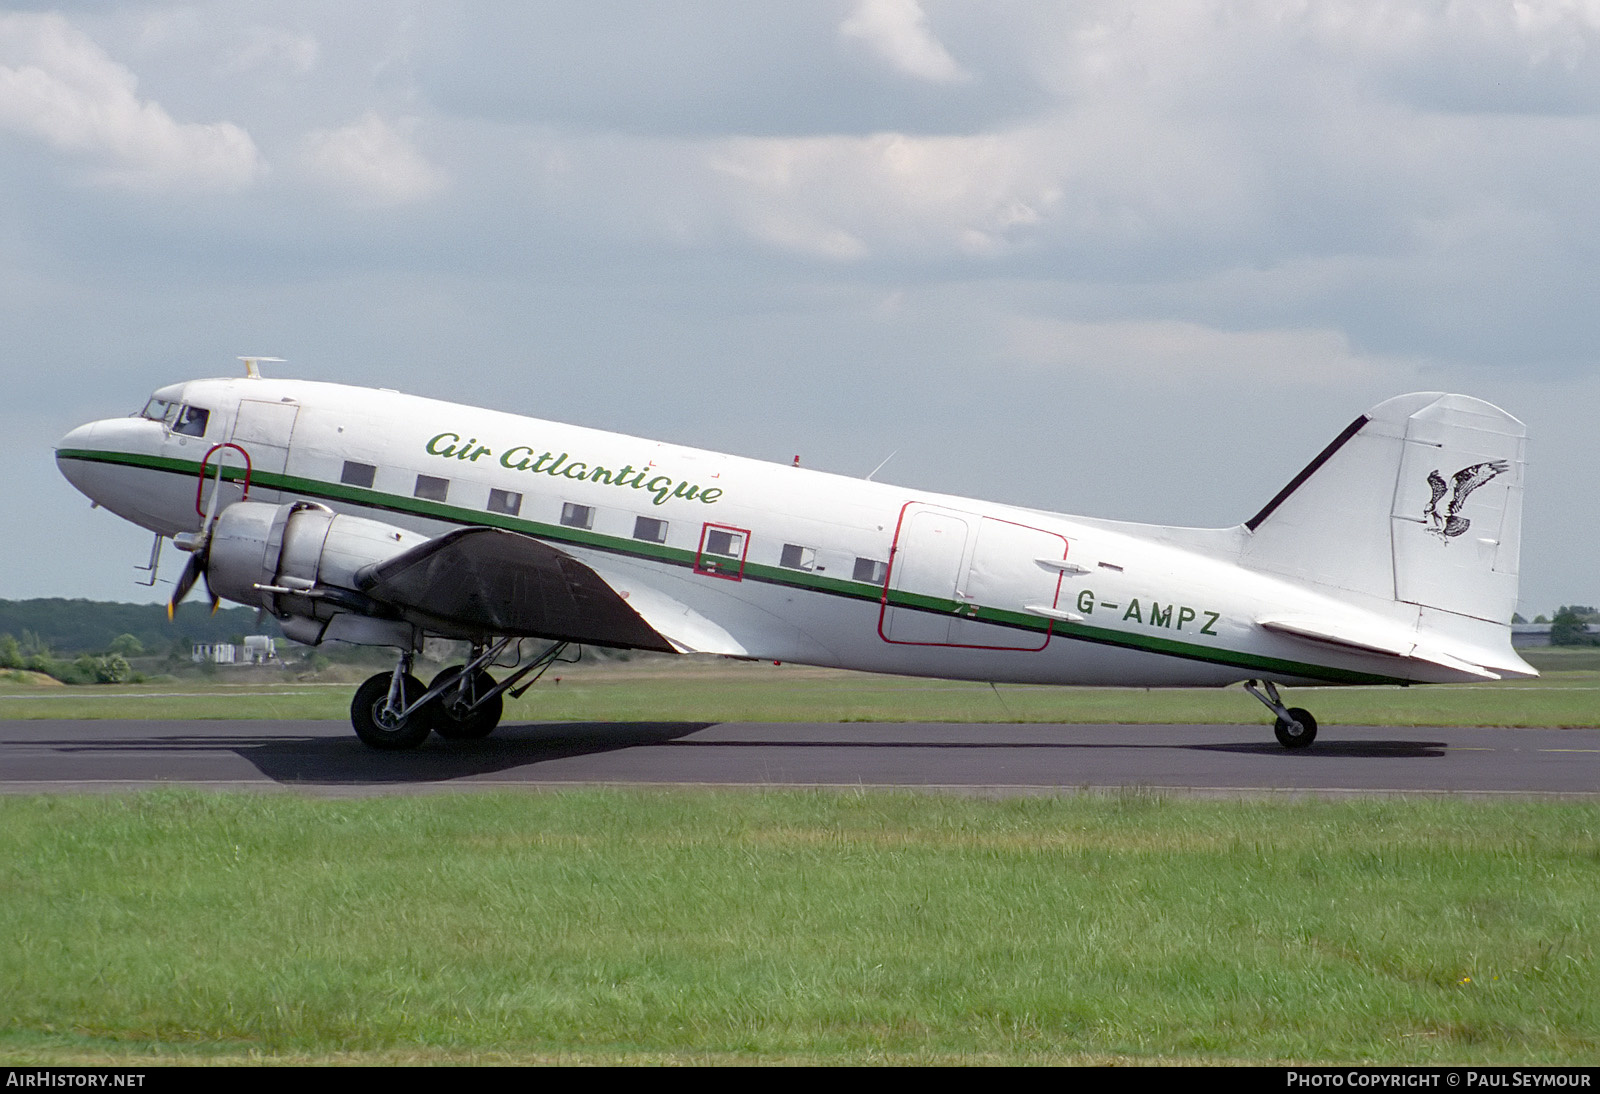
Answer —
299 561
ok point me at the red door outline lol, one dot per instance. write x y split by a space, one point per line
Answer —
200 487
896 551
716 565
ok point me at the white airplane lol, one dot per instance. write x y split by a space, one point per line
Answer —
374 517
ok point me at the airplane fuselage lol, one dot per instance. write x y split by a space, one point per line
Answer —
752 559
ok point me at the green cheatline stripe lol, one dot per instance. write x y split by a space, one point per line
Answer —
561 533
799 579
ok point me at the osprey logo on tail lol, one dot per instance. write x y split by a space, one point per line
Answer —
1450 524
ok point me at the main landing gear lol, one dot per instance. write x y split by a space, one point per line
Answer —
395 711
390 711
469 707
1295 728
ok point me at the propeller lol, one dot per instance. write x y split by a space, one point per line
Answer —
193 570
198 544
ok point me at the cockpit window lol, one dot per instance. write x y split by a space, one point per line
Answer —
191 421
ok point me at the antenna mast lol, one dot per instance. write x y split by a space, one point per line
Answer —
252 365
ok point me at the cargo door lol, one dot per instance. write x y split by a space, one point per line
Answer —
1004 579
264 430
925 566
960 579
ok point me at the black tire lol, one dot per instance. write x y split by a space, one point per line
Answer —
1307 733
480 723
374 725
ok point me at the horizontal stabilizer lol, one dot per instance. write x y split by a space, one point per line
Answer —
1389 641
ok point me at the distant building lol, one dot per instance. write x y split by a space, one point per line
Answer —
1538 634
258 649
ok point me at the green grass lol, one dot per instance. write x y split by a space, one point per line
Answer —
697 926
1563 658
695 690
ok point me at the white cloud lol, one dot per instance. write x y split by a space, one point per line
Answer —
1534 30
897 31
887 192
60 87
273 49
1174 351
371 162
1082 180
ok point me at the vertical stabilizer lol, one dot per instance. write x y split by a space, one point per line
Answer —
1419 502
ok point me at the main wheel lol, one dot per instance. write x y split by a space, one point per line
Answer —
471 726
1289 736
377 727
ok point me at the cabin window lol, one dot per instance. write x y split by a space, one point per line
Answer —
871 571
650 530
577 516
358 474
719 541
796 557
191 421
431 488
508 502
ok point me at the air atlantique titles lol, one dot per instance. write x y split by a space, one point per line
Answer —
521 458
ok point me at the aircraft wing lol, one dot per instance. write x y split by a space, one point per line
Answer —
488 581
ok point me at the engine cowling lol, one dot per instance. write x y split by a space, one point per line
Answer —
298 561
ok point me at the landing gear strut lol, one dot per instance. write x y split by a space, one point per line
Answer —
468 705
390 710
1295 728
393 710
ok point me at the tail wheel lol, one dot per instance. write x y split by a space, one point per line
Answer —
450 718
377 726
1291 735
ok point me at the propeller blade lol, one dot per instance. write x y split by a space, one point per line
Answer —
199 546
191 573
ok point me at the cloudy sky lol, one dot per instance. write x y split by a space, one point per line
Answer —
1134 258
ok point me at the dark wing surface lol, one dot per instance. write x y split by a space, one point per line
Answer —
481 582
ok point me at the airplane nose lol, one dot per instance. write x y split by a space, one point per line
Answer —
69 455
110 462
82 437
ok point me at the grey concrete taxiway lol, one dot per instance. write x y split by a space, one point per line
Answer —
61 756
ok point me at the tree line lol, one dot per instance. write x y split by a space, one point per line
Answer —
92 642
1569 626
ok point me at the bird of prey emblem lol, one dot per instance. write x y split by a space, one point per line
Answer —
1450 523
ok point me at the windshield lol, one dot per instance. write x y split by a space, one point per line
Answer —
191 421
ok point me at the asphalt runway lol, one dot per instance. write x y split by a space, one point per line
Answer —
49 756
